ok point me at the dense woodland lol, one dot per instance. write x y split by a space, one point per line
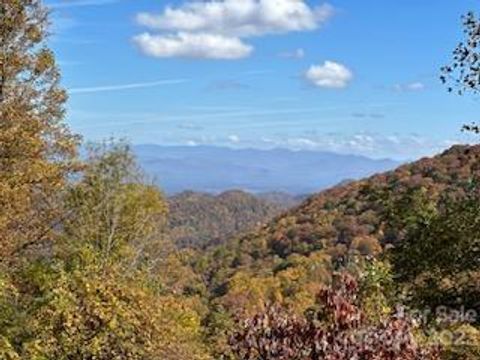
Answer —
202 220
384 268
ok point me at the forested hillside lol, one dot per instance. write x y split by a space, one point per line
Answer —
352 215
358 216
200 219
289 260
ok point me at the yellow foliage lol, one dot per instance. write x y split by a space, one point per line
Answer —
366 245
114 214
249 294
88 315
37 150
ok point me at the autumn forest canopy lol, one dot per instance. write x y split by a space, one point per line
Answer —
97 263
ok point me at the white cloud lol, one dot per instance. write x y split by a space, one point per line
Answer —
243 18
374 145
414 86
234 139
297 54
108 88
224 23
201 45
302 143
329 75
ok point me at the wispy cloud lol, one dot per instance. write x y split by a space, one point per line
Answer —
190 126
296 54
372 115
198 114
228 85
250 113
257 72
120 87
410 87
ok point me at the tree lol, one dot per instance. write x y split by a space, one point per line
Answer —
437 259
338 331
87 240
114 214
104 292
464 72
37 151
80 314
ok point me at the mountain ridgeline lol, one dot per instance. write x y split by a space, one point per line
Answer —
217 169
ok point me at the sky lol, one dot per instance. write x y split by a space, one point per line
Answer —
349 76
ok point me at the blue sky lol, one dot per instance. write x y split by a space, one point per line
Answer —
348 76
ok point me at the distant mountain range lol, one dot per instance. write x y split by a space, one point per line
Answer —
217 169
